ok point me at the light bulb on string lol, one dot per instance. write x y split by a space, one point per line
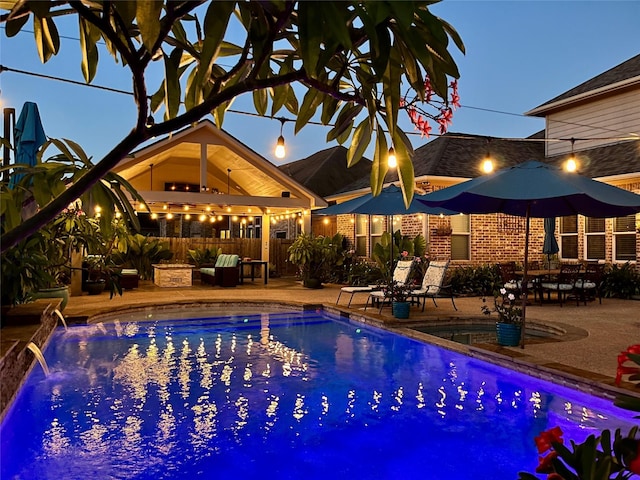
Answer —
280 150
392 161
571 165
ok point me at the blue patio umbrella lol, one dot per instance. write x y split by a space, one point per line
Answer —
389 202
535 189
29 136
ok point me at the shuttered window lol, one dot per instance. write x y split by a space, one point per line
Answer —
624 238
362 232
460 237
569 236
594 231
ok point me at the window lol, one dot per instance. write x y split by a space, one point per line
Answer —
594 238
624 238
460 237
569 236
377 227
362 232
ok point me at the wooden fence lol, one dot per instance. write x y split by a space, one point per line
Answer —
244 247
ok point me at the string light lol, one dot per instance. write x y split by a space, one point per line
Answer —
571 165
392 161
4 68
280 151
487 163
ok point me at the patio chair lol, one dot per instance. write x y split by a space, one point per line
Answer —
369 288
432 284
225 273
511 281
565 283
590 283
400 275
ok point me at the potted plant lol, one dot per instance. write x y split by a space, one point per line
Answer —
398 294
314 257
509 324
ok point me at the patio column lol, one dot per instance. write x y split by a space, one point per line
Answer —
203 166
266 238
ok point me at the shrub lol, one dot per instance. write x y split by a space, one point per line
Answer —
621 281
479 280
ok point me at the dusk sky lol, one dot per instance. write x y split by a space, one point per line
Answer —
520 54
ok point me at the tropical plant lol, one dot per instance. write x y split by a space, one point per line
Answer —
352 73
142 252
23 270
203 256
315 255
621 281
402 246
71 231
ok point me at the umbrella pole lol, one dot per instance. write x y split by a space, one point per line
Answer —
524 277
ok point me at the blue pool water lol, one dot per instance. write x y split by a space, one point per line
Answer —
278 396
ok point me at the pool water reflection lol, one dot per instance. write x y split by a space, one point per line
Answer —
279 396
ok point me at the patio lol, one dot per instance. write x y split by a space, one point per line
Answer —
586 353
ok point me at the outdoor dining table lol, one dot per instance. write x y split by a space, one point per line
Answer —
539 275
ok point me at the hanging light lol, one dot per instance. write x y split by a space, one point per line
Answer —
280 151
202 217
392 161
571 165
487 163
169 216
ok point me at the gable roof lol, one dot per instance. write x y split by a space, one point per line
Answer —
233 170
326 172
623 76
457 155
609 160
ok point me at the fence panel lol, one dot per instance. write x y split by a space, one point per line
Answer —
244 247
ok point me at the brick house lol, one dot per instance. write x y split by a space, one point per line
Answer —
598 121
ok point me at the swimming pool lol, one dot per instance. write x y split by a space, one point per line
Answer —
278 396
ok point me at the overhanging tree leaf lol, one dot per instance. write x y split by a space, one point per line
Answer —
148 15
339 50
360 142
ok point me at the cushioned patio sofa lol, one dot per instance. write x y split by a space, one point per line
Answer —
225 272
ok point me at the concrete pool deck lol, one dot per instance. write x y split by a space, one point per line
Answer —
593 335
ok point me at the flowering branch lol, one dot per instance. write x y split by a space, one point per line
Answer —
444 109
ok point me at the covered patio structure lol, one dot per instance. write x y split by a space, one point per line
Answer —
204 176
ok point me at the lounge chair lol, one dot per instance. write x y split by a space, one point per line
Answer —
370 288
225 273
432 284
400 275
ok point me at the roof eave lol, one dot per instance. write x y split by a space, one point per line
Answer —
546 108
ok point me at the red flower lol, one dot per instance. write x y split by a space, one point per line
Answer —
634 465
545 439
544 463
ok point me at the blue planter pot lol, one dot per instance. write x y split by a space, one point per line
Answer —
400 309
54 292
508 334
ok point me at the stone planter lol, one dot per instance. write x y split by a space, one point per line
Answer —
508 334
400 309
